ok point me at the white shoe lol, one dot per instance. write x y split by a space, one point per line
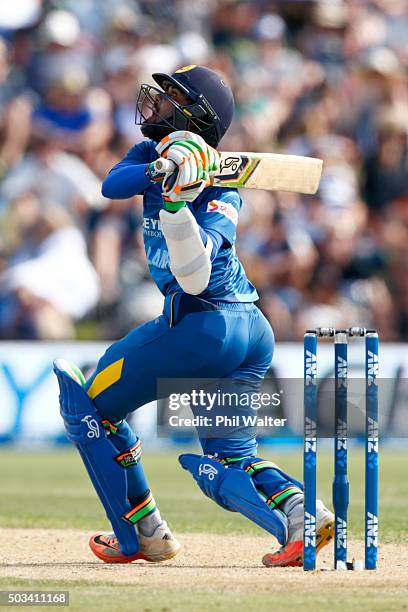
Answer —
291 554
161 545
295 520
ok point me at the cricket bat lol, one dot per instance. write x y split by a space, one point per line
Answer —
270 171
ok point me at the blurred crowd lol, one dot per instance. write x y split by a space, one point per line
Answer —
326 79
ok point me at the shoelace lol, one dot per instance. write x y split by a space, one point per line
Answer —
112 539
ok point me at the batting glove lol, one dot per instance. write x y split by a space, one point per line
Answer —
195 161
210 158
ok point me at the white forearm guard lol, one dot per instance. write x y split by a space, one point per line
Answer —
189 258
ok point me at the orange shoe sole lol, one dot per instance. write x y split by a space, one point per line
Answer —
292 555
99 549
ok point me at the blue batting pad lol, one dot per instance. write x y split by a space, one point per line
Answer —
234 490
82 424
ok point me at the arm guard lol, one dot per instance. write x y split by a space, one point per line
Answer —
189 259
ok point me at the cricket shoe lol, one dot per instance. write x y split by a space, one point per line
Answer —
291 554
160 546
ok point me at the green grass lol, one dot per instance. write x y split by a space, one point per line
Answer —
110 597
53 490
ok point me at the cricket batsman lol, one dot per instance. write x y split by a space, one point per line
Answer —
209 328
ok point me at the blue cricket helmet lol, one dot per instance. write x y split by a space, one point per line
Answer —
212 100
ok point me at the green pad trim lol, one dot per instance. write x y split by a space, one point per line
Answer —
232 459
276 499
146 507
131 456
260 465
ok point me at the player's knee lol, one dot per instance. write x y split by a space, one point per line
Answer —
80 416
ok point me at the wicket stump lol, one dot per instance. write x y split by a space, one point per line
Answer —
340 481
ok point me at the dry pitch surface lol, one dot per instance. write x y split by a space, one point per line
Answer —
48 510
208 568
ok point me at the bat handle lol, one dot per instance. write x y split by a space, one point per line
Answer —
164 165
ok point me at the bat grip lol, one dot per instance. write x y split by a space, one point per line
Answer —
164 165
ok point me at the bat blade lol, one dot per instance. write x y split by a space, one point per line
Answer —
270 171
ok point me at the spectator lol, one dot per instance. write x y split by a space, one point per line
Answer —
14 115
49 281
325 79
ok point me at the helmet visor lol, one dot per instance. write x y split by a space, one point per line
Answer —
148 104
196 116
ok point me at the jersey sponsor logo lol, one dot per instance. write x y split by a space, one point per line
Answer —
159 258
152 227
224 208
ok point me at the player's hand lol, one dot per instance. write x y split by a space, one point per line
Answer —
210 158
195 160
190 178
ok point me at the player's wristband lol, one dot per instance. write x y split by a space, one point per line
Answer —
172 206
153 174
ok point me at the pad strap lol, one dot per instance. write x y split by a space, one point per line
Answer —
145 507
259 465
275 500
110 426
131 456
229 460
235 490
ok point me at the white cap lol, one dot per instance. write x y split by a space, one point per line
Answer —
61 27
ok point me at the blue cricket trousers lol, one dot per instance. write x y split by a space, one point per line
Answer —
185 341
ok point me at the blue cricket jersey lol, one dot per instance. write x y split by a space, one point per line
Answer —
215 208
